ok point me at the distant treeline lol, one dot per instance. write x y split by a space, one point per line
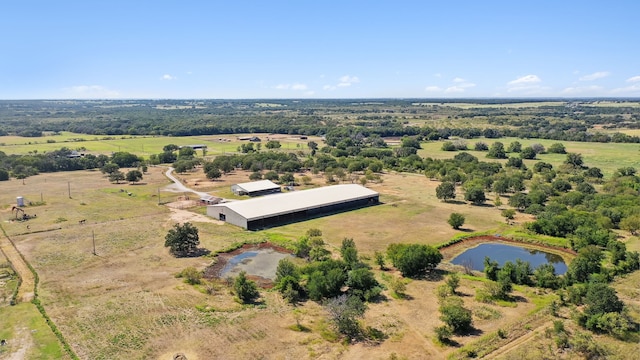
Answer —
569 121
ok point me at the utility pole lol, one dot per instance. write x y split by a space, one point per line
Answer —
69 188
93 237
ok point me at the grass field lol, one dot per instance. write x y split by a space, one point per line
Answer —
27 334
139 145
606 156
125 301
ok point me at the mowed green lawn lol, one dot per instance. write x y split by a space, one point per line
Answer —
27 334
606 156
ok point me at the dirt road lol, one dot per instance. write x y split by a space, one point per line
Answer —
25 293
178 186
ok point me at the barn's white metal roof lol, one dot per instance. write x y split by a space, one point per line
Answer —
258 208
260 185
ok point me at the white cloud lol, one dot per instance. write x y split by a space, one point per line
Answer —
344 81
526 85
634 79
595 76
459 86
454 89
295 87
633 89
168 77
530 90
582 90
527 79
438 75
91 91
347 81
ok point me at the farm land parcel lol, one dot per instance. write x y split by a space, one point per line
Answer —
125 301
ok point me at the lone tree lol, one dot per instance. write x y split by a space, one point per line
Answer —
182 239
446 190
134 176
456 220
344 311
496 151
574 159
116 176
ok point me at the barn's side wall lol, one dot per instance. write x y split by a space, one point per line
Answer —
229 215
313 212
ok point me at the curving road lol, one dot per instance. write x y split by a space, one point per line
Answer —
178 186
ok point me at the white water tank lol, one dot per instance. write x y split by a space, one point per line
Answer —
20 201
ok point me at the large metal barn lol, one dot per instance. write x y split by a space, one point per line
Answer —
293 206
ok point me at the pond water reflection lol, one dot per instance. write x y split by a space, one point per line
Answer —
259 262
502 253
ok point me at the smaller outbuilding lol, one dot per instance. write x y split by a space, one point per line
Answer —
256 188
209 200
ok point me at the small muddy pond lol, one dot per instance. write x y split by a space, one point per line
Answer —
260 262
502 253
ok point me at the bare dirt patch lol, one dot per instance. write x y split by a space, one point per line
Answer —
25 293
23 341
182 216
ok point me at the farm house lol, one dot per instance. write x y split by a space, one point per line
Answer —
255 188
294 206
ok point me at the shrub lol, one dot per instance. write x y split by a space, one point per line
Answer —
456 220
191 275
443 333
245 289
455 315
414 259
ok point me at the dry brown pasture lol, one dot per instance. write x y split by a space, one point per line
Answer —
125 301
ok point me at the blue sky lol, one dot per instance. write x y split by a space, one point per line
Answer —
318 49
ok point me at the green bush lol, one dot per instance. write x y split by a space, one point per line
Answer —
245 289
413 260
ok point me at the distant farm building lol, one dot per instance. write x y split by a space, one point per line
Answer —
294 206
209 200
256 188
250 138
74 155
194 147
